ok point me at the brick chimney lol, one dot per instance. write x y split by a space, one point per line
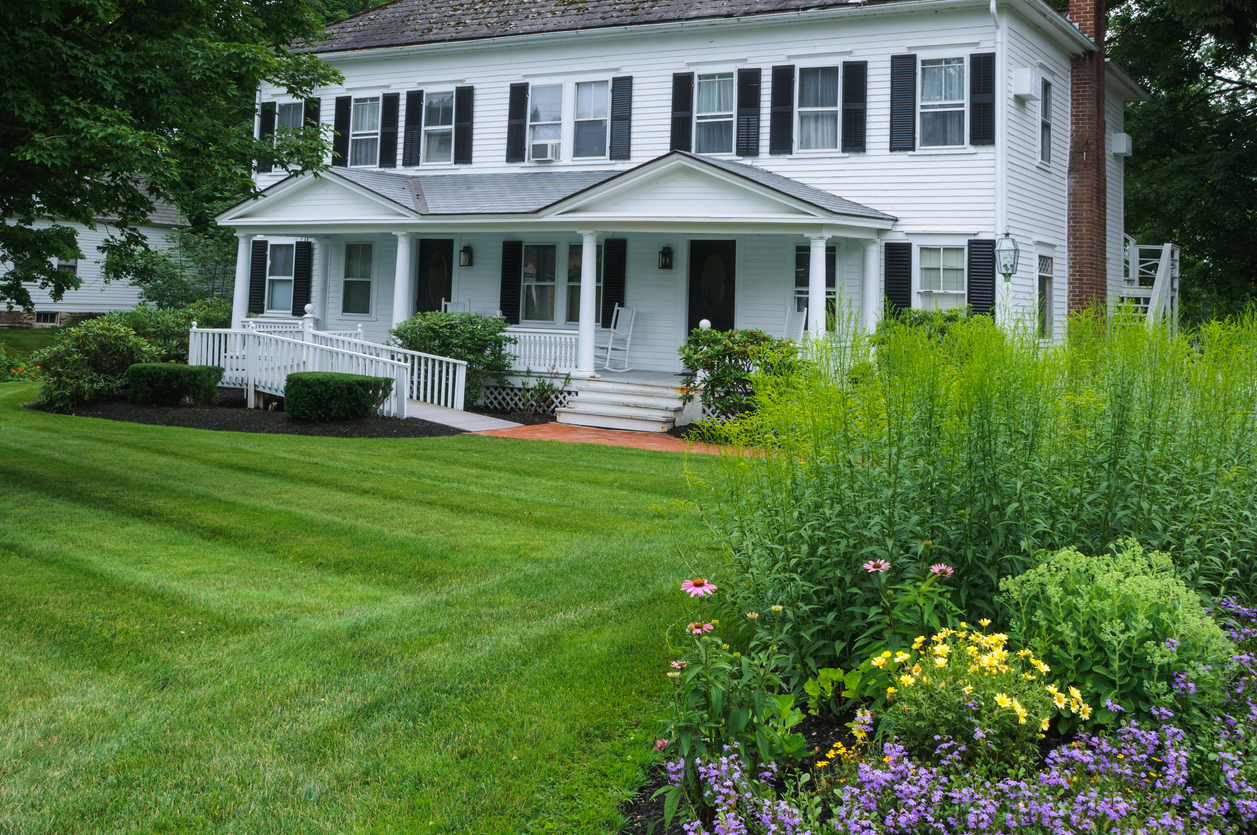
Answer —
1088 191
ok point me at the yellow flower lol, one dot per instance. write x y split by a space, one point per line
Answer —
776 609
1085 712
907 681
1028 676
1059 698
1045 724
1003 700
879 662
901 657
890 691
822 763
940 662
886 654
916 669
942 649
985 622
1074 694
918 642
968 688
964 625
1051 688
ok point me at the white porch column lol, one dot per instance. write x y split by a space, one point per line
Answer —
318 281
588 294
240 292
403 293
871 292
816 324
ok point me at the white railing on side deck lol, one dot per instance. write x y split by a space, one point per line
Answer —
277 328
261 362
1151 280
440 381
543 350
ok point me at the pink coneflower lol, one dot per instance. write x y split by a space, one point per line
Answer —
942 570
876 565
661 744
699 628
698 587
679 665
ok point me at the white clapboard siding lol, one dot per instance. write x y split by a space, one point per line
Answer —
1115 113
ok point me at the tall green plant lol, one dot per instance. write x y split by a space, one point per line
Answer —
991 447
480 340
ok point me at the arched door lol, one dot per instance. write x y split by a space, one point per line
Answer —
436 274
712 283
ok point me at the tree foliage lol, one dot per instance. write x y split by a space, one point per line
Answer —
107 104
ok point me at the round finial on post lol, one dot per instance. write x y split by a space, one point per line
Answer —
704 324
309 309
193 324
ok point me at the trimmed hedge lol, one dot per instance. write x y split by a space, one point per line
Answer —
324 395
166 384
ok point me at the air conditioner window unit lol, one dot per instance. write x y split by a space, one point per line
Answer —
1027 84
544 151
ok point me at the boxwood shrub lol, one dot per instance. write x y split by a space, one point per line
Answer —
324 395
166 384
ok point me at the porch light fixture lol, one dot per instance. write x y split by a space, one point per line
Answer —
464 257
1006 250
665 258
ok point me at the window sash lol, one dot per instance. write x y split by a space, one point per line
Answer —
438 127
356 297
279 294
818 108
545 113
942 102
364 132
538 280
290 115
358 261
713 129
281 258
575 258
1045 123
356 286
942 268
591 134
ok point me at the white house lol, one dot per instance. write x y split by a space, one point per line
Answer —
733 161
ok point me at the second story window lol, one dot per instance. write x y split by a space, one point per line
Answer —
713 130
591 119
364 142
942 102
290 115
545 114
438 127
279 278
818 108
1045 123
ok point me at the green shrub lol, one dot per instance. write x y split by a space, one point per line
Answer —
726 362
166 384
323 395
481 341
934 323
90 361
1122 626
167 330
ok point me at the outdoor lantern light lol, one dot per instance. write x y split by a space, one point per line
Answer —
665 258
464 257
1006 250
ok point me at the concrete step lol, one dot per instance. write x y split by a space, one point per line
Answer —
601 421
650 401
604 384
619 409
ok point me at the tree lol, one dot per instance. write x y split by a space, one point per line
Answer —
107 104
1193 178
199 267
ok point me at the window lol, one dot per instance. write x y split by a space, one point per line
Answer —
364 142
574 258
818 108
1045 297
539 264
943 268
942 102
47 317
714 114
1045 125
357 296
802 277
279 278
591 119
290 115
545 114
68 266
438 127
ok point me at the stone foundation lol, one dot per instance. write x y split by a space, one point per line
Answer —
22 319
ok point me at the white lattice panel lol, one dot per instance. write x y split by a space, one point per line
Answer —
511 399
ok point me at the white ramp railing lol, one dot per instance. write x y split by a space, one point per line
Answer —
1151 280
543 350
261 362
439 381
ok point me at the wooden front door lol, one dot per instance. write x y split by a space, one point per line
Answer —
436 273
712 283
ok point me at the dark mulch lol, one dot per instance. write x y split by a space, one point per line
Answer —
524 418
230 415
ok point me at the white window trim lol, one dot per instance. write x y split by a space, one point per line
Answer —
966 65
423 139
290 278
1045 117
300 105
934 295
566 109
798 113
606 154
371 315
732 118
560 302
1051 306
355 135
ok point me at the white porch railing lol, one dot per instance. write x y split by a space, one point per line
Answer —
261 362
440 381
288 328
1151 280
543 350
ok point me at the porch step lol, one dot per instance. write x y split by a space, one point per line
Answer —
615 404
648 401
606 421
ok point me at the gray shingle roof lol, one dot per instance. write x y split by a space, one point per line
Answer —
395 187
406 22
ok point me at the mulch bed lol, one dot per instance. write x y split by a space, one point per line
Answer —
522 418
230 415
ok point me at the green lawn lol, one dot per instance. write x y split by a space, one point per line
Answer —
26 341
219 632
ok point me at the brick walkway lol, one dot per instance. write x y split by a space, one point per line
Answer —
607 437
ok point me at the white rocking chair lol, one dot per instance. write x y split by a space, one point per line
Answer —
796 320
451 306
618 339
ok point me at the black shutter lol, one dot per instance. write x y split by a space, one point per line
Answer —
621 116
747 142
257 280
682 112
903 102
389 105
311 112
302 269
899 276
982 99
982 277
340 142
464 112
516 128
512 276
855 97
781 111
412 131
614 266
265 132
